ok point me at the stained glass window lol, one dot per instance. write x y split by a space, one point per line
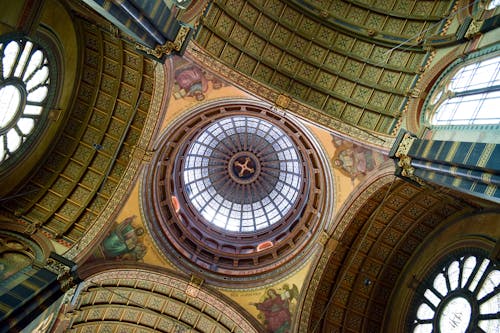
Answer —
462 295
24 85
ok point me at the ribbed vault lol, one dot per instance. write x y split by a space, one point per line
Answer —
141 300
375 241
341 60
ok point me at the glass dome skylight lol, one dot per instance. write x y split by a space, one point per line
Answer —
242 174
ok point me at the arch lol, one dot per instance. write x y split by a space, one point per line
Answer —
378 232
153 299
466 232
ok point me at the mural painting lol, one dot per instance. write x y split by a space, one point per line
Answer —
193 82
123 242
276 308
353 160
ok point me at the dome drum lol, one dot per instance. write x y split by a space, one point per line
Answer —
241 176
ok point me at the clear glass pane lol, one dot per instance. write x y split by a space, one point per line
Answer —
493 4
490 306
423 328
489 284
38 95
479 274
425 312
455 316
13 140
469 265
40 77
440 284
432 297
26 125
453 274
23 60
2 150
10 56
10 99
490 326
36 61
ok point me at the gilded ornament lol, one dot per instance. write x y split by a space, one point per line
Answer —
474 29
167 48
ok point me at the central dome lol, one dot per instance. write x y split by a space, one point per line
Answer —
242 174
236 193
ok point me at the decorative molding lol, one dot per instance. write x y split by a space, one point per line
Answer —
166 49
195 53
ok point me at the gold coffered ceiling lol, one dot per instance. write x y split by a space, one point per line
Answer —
342 59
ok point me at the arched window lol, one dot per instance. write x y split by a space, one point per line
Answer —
24 89
493 4
460 294
468 93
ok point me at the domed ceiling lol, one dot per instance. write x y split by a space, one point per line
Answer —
235 191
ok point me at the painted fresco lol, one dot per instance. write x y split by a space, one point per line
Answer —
193 82
123 242
353 160
276 308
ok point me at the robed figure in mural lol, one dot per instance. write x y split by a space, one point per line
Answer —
123 241
276 312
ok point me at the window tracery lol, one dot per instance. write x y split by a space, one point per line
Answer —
24 88
461 294
467 94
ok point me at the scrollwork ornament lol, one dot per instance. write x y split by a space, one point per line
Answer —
405 145
408 170
474 29
167 48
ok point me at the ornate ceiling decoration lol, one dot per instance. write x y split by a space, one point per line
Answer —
138 300
89 163
343 60
235 193
355 281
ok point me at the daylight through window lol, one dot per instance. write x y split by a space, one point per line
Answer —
23 92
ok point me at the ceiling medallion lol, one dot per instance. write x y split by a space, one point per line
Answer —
241 177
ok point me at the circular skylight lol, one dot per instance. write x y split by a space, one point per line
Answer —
462 295
24 87
242 174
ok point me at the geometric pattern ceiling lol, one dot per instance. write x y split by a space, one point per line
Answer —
383 228
342 59
133 301
87 164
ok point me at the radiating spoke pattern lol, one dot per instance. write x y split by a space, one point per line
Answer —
463 296
24 85
242 173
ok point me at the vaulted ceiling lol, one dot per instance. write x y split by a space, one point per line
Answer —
354 62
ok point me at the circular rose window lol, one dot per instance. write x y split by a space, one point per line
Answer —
24 88
236 193
460 295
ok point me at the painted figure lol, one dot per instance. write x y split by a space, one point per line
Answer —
123 241
191 82
353 160
276 312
